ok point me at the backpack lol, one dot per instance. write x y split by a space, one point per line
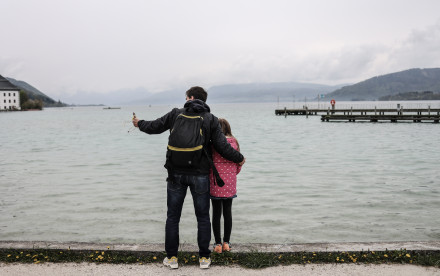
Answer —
185 143
186 146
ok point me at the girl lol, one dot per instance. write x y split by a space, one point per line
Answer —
221 197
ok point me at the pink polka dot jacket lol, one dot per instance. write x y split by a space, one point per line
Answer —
228 171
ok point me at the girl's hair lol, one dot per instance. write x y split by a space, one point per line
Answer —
226 129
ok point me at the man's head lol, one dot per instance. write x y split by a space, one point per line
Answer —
196 93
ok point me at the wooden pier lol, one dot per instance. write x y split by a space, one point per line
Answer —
362 111
388 117
371 115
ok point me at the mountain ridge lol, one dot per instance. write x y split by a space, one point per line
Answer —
34 94
375 88
411 80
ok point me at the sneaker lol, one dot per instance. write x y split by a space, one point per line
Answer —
218 248
226 247
204 262
172 263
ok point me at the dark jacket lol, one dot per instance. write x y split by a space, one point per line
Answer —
213 132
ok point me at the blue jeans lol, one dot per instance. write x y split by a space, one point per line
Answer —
176 192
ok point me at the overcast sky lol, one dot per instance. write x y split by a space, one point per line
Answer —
65 47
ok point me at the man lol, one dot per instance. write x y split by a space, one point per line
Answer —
196 176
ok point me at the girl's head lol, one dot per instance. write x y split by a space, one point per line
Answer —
226 128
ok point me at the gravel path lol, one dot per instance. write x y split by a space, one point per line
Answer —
57 269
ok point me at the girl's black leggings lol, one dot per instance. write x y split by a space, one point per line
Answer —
217 206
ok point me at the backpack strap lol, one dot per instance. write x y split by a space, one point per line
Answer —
217 179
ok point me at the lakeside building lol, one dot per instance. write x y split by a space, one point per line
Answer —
9 95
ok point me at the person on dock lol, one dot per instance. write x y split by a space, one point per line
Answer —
221 197
189 166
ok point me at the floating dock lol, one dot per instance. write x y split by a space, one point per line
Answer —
372 114
111 107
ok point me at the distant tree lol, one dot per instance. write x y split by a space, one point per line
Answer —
23 98
38 104
32 104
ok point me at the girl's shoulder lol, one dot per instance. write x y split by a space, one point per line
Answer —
232 141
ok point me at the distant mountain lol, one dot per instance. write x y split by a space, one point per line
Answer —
35 94
129 96
267 92
176 96
412 80
251 92
413 96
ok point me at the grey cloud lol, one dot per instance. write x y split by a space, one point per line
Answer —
420 49
104 46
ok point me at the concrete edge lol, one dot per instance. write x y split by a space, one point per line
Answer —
251 247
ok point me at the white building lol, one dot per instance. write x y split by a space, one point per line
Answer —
9 95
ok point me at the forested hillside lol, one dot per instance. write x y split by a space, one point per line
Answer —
412 80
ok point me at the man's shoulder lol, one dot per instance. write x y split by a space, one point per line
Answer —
175 111
209 116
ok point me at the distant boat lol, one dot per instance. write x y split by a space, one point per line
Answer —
111 107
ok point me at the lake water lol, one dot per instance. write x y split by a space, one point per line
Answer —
77 174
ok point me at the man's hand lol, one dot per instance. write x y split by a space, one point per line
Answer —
135 121
242 162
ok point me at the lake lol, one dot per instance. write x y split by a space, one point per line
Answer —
84 174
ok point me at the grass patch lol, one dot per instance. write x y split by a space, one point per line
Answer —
253 260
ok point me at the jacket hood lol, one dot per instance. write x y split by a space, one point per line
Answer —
197 106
